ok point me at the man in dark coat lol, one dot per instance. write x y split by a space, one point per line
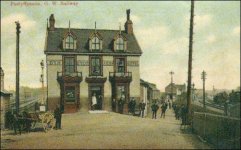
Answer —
58 116
114 105
133 106
154 108
99 102
121 105
164 108
142 108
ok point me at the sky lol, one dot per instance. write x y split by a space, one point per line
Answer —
161 28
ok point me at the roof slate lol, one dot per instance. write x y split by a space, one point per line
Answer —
54 40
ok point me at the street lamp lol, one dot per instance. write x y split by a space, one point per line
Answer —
171 73
42 107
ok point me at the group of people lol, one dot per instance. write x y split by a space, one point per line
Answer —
96 102
180 113
132 106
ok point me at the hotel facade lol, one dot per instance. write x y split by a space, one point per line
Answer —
86 62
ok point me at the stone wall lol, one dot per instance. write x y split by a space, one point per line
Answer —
221 131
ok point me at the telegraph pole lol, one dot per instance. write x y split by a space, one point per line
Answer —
171 73
203 77
17 65
190 62
193 88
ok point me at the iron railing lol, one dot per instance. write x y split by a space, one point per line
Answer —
70 74
120 74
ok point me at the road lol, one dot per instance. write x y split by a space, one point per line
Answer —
108 131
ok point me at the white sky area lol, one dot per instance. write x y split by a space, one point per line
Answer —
161 28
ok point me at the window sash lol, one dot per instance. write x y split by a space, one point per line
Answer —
69 64
120 65
119 44
95 43
95 66
69 42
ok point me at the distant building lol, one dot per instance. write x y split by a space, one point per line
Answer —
149 94
5 99
84 62
175 89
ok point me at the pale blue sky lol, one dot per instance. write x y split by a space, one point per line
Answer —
162 30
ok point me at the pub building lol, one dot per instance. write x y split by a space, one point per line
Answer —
84 62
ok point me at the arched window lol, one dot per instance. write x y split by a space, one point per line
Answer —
119 44
69 42
95 43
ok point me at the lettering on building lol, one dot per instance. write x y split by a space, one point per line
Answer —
54 62
133 63
83 63
107 63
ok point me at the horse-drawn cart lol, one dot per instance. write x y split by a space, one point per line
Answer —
46 119
28 121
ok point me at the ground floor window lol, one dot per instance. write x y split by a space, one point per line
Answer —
70 95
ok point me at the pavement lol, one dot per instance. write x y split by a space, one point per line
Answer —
108 131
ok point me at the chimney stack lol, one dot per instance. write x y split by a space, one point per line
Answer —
128 24
51 22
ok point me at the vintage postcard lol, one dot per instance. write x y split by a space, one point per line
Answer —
120 74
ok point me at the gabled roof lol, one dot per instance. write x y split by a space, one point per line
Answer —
54 40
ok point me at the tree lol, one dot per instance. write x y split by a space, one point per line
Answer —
234 97
220 98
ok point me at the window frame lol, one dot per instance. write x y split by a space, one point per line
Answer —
70 100
116 67
120 42
69 42
91 66
95 43
64 64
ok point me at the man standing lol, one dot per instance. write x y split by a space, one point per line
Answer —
121 105
100 102
58 116
114 105
163 107
133 106
142 108
94 101
154 108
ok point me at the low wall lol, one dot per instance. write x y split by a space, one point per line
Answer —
221 131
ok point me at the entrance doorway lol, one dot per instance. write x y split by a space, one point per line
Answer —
96 90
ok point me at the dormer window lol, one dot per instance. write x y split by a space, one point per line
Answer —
95 42
69 42
120 43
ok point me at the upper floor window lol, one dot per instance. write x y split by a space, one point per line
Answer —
69 42
96 66
120 65
95 43
69 65
119 44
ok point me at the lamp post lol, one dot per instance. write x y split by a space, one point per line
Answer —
203 77
42 107
17 65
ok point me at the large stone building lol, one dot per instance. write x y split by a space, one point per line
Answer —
84 62
174 90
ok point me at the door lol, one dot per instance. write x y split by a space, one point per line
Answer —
98 92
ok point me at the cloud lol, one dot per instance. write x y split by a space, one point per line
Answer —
211 39
200 21
152 36
236 31
135 19
8 23
175 46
